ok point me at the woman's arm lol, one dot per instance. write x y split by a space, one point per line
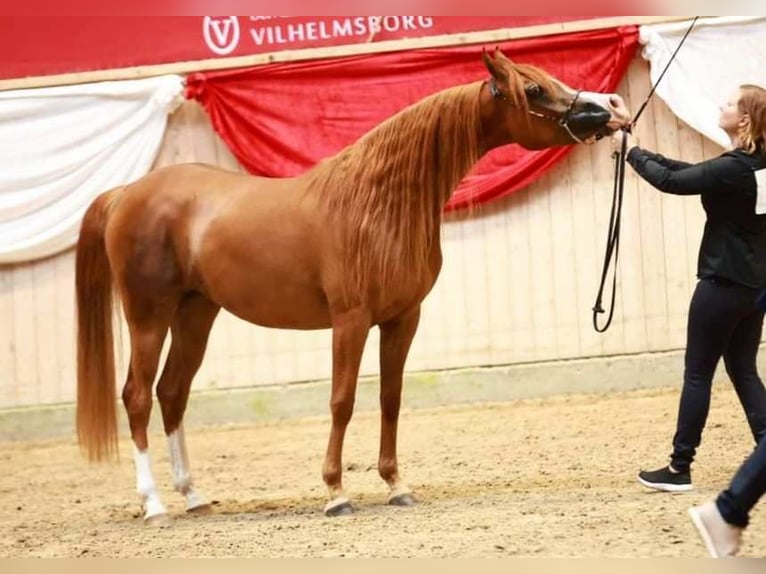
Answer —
673 164
717 174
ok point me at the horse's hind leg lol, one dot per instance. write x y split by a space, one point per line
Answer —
395 339
146 339
189 330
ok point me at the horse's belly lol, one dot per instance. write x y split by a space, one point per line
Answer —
269 302
264 267
297 316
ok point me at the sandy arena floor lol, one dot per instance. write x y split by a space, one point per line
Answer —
552 477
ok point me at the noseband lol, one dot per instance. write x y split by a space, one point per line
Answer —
563 121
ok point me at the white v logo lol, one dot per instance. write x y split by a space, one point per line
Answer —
221 34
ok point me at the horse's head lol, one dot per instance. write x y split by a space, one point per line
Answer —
527 106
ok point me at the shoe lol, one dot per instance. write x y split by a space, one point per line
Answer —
666 480
721 538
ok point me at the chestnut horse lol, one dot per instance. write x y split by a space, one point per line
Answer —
352 243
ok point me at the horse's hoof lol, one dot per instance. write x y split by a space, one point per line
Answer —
402 500
201 509
338 507
158 521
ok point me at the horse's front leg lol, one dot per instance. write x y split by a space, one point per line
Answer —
395 339
349 334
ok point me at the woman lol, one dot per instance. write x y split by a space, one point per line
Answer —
724 320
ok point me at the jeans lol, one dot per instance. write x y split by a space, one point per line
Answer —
724 321
747 486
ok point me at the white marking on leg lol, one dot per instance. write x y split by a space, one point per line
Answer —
179 465
145 485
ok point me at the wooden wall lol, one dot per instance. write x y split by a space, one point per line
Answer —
518 283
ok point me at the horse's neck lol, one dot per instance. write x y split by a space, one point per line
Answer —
494 131
434 143
385 194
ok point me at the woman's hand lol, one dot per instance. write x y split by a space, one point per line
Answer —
617 138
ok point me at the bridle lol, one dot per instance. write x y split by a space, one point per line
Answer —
563 121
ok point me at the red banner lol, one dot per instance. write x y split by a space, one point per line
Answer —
48 45
281 119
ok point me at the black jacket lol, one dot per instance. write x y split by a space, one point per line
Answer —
734 242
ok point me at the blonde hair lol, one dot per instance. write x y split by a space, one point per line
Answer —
752 103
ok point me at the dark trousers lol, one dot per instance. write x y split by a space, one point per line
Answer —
724 321
747 486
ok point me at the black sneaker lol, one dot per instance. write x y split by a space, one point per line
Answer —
666 480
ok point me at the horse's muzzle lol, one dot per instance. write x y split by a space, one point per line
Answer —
591 120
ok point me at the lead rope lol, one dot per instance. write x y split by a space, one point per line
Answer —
613 236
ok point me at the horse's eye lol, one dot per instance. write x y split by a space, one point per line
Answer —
533 90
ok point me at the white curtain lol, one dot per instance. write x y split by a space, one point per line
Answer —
719 54
60 147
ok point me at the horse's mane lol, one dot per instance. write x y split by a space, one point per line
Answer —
386 192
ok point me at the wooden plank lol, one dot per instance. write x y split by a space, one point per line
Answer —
215 372
370 366
454 313
199 133
497 281
564 272
588 246
663 138
541 270
8 381
224 157
519 271
47 347
491 36
649 239
186 149
631 258
65 325
280 348
174 140
430 342
317 353
265 371
475 276
215 375
692 150
710 149
25 336
239 352
602 172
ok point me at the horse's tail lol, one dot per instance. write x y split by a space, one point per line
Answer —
96 400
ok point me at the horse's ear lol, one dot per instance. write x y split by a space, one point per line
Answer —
500 57
495 70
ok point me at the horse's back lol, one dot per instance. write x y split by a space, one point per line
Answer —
252 245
